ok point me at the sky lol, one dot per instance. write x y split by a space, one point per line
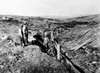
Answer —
66 8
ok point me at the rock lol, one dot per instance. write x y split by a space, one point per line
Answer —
33 54
98 70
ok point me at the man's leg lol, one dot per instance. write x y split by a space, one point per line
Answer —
22 42
26 34
25 40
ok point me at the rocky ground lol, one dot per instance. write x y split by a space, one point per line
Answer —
79 37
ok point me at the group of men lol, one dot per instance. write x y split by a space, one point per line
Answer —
43 40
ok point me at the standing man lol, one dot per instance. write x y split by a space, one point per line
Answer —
23 31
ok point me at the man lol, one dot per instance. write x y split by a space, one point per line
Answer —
38 37
23 31
47 37
39 42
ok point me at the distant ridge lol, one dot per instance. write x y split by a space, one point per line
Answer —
68 17
52 16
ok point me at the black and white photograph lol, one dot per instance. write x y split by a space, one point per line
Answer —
49 36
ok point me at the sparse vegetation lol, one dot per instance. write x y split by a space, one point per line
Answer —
30 59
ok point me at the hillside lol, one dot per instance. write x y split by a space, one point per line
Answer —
79 38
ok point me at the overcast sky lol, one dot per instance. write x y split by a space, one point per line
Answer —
49 7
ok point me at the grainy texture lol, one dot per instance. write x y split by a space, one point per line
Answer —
79 37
